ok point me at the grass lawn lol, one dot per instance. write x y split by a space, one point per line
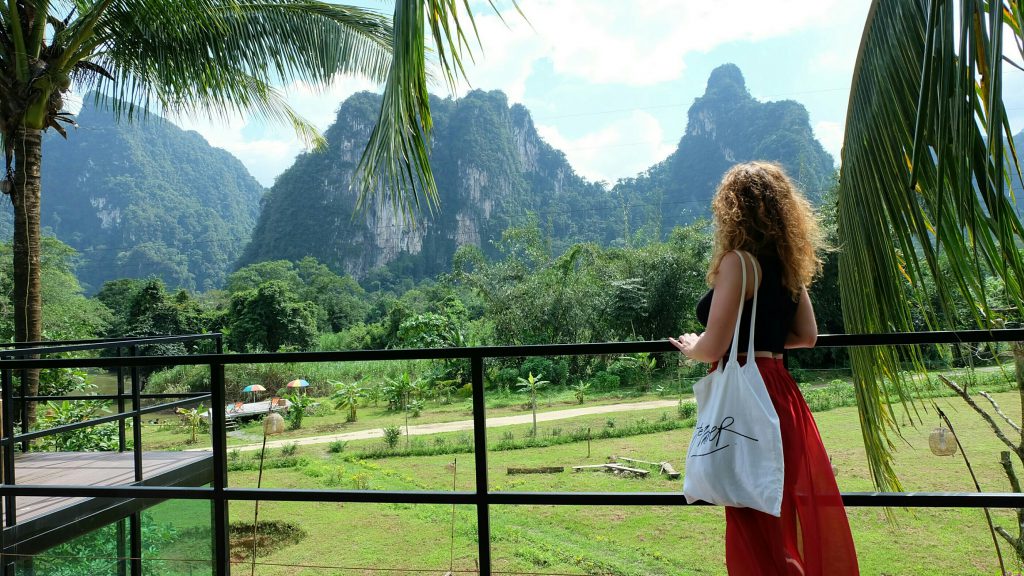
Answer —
612 540
364 538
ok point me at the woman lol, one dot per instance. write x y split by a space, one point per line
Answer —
757 209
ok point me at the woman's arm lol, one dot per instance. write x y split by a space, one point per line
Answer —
725 304
804 332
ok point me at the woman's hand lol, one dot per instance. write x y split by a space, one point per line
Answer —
686 343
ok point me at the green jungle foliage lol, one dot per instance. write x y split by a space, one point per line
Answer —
146 198
67 313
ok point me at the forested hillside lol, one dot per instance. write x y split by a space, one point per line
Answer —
725 126
493 170
145 198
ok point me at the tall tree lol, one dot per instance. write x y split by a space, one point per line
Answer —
922 200
214 57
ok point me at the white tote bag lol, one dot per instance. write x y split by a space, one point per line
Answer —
735 456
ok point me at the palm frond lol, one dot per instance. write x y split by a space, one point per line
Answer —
395 167
921 200
217 57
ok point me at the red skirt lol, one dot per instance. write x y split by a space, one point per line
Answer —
812 536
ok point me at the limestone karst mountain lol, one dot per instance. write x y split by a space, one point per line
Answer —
493 170
145 198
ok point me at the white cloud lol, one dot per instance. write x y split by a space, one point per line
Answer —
830 134
619 149
632 43
274 149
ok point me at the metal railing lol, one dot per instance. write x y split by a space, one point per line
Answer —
220 494
121 346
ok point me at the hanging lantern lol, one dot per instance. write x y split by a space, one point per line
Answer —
273 424
942 442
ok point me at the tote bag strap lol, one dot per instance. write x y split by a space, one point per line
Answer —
753 309
733 352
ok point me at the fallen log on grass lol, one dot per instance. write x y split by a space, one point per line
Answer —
590 468
669 471
626 470
540 470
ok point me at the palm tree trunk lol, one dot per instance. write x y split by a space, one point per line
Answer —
25 197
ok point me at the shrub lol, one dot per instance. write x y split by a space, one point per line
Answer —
834 395
579 390
391 435
99 438
556 371
504 378
337 446
686 410
604 382
289 449
629 372
252 464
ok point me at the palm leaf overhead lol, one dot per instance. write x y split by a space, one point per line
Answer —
217 57
395 169
921 197
211 57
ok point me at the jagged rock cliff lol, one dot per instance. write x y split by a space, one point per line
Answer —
725 126
491 169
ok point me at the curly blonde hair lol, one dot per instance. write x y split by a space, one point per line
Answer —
758 209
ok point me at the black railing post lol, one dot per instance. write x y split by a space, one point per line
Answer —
10 504
121 438
135 523
136 416
121 561
7 566
221 543
483 514
23 392
135 543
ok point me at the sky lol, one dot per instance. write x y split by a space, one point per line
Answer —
609 82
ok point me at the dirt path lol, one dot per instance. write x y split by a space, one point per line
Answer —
461 425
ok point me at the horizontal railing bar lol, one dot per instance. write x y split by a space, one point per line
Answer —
851 499
824 341
102 420
858 499
138 341
910 338
125 491
94 340
167 405
126 395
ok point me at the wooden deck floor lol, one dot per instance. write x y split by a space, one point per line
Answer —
87 469
50 520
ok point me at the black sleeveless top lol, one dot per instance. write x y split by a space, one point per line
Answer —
775 310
